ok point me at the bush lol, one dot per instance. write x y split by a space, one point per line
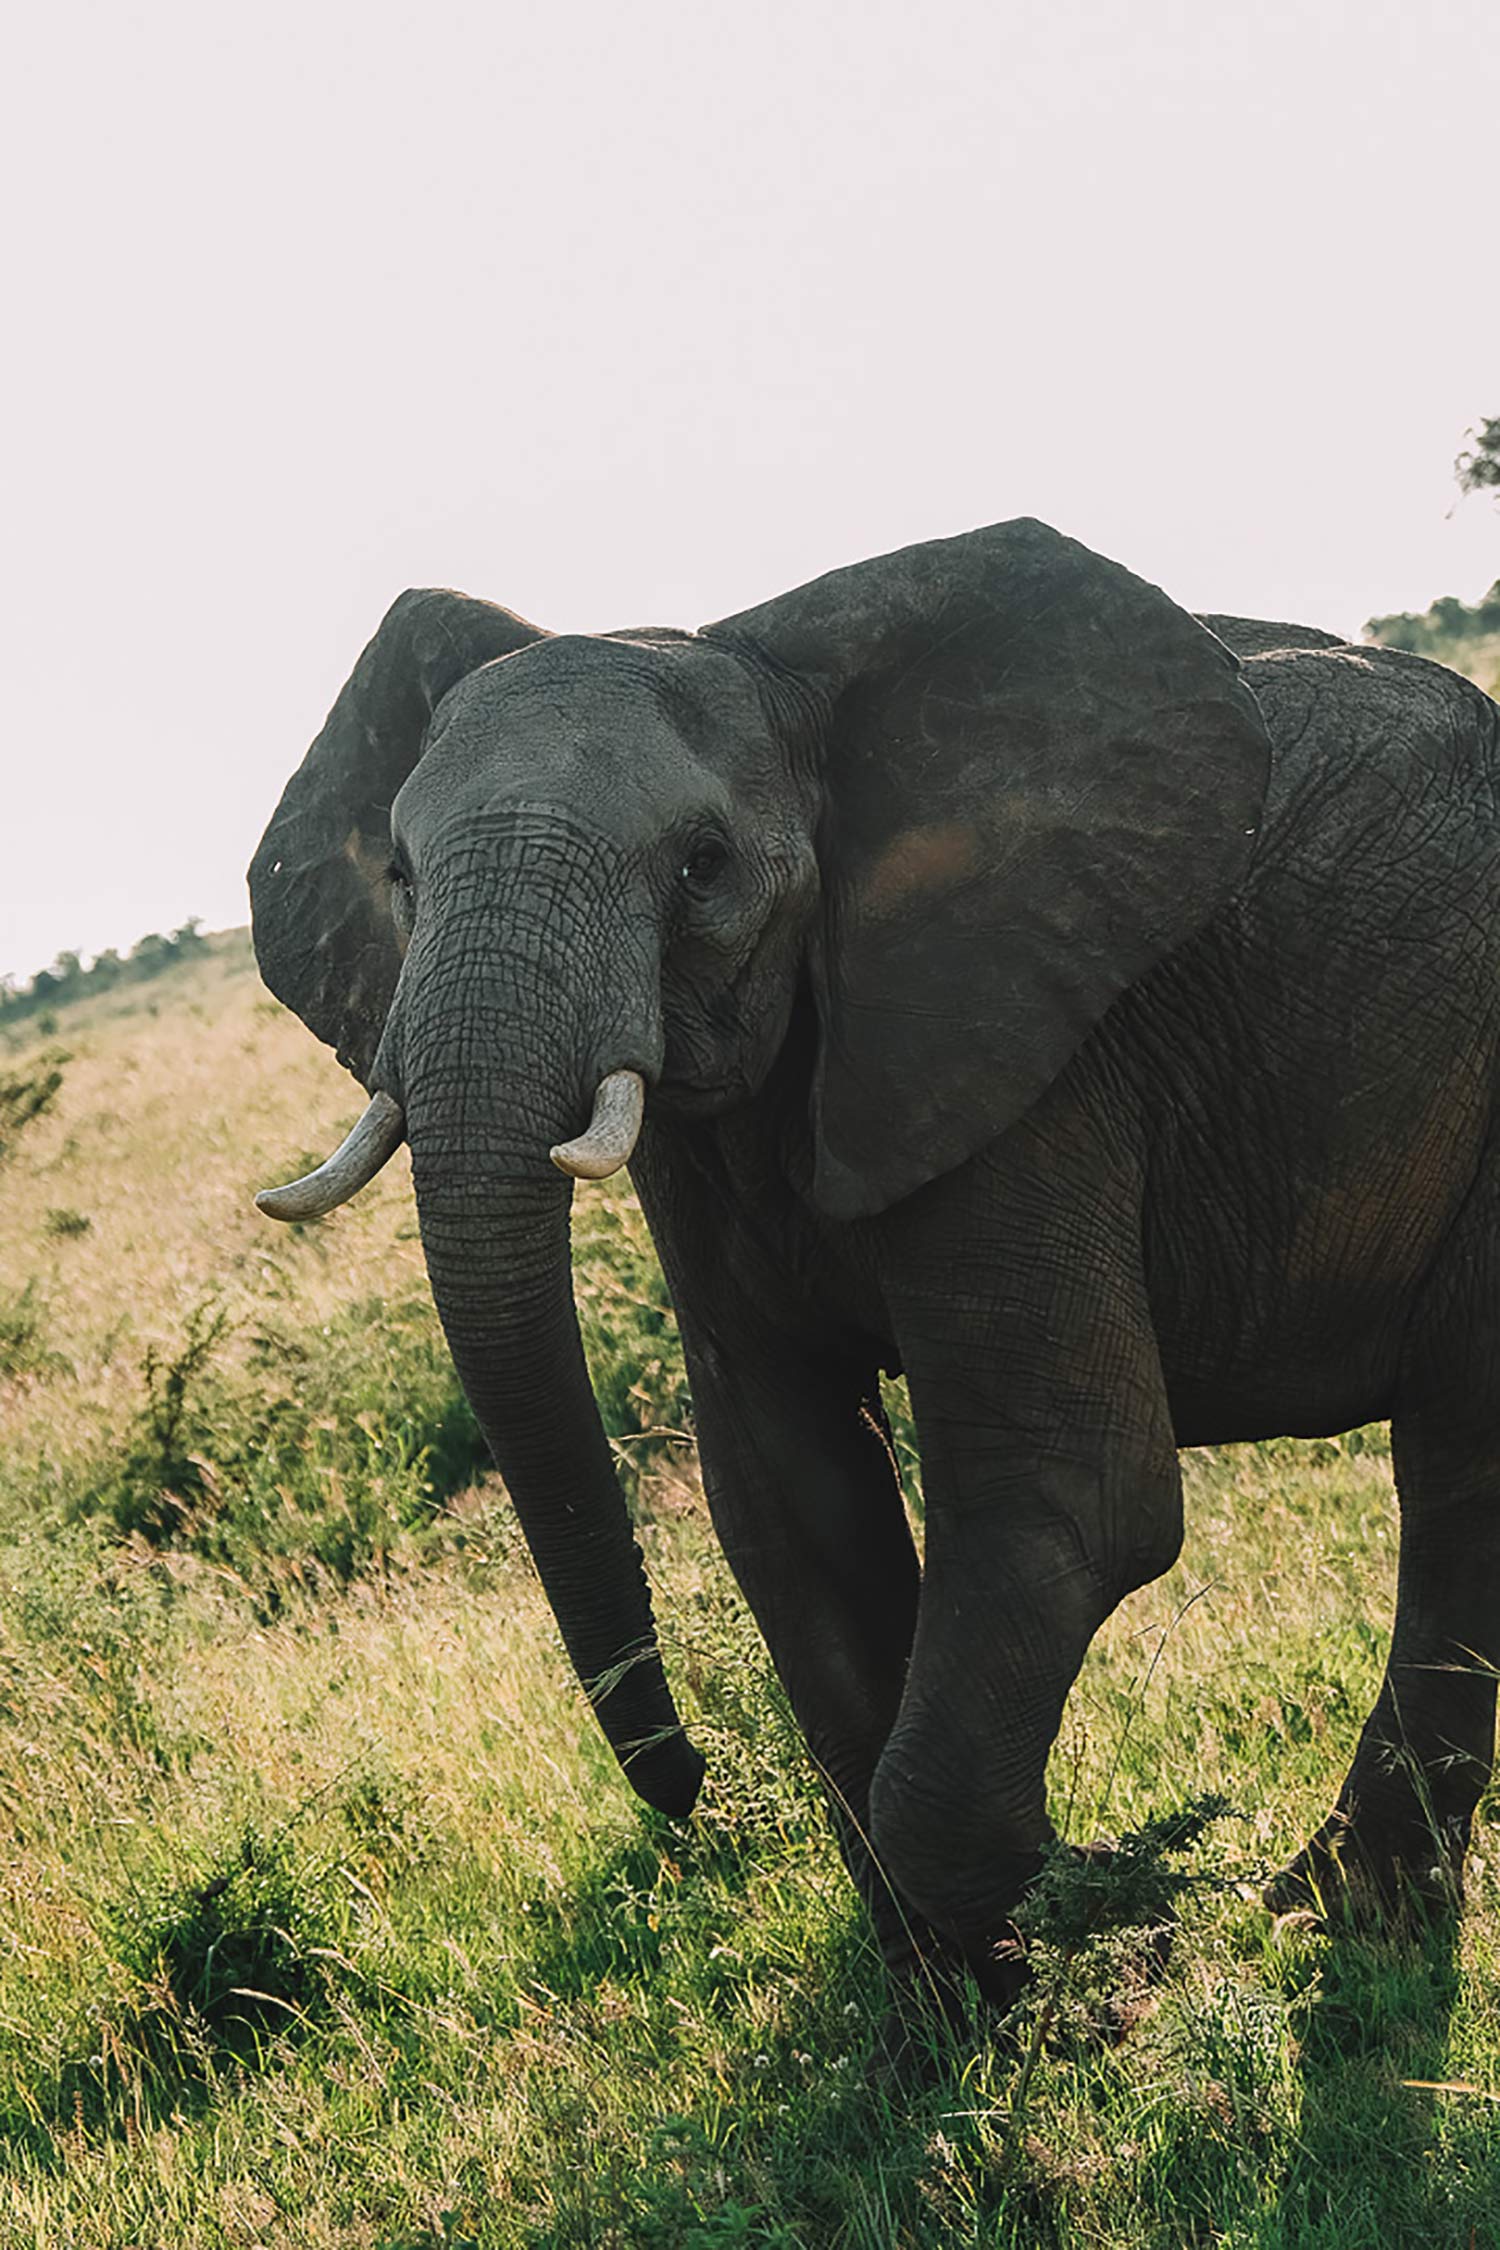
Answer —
24 1097
159 1482
294 1456
22 1348
62 1222
240 1951
306 1463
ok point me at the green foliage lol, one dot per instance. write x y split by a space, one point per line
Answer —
26 1096
62 1222
23 1346
241 1950
1441 629
1128 1885
1478 466
305 1463
292 1456
159 1480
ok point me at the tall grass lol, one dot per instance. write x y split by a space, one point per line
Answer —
329 1922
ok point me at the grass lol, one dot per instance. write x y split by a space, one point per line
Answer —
328 1921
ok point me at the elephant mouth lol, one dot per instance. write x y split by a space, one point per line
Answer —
698 1097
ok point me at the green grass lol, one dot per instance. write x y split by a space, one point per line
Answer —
329 1922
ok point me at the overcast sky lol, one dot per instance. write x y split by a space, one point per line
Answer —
630 314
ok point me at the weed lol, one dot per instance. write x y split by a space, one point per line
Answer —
1092 1918
159 1482
242 1950
23 1349
61 1222
383 1812
1130 1884
306 1463
26 1096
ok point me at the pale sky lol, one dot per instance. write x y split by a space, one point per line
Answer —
638 314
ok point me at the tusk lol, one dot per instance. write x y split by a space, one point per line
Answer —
373 1142
612 1132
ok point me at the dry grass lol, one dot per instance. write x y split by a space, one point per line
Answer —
533 2015
179 1101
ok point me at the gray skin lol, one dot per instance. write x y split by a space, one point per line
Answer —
1031 999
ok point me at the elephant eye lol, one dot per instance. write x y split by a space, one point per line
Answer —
705 862
402 904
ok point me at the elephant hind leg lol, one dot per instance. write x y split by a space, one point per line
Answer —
1400 1829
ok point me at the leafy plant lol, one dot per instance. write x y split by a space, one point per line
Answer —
306 1462
160 1480
27 1095
1107 1909
242 1949
63 1223
23 1350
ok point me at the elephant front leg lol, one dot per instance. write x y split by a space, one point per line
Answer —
1018 1579
807 1504
1052 1490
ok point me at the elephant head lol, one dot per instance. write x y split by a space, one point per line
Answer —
947 805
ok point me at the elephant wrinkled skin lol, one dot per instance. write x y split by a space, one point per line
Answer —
1093 1014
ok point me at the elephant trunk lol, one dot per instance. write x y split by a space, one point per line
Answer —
492 1081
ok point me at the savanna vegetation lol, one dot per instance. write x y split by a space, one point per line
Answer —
72 978
327 1918
1478 465
1463 634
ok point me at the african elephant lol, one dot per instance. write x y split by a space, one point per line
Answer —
1023 991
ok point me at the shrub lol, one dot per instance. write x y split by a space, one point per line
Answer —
26 1096
22 1348
160 1481
62 1222
313 1454
239 1951
306 1463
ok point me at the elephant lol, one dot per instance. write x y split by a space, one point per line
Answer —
990 972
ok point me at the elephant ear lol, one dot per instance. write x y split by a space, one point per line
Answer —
1040 775
320 882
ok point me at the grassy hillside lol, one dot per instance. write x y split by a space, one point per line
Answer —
327 1919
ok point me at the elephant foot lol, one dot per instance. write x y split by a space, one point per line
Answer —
936 2019
1374 1874
908 2056
940 2015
